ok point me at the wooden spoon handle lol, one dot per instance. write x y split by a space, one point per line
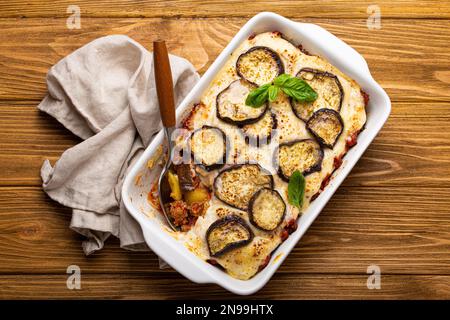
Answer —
164 85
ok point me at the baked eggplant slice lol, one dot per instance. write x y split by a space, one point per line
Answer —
303 155
185 177
329 93
236 185
261 131
266 209
326 125
259 65
231 107
228 233
209 147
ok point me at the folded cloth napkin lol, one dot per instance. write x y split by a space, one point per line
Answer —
105 93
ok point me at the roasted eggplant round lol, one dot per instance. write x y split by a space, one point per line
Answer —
209 147
228 233
326 125
259 65
231 107
236 185
260 132
329 93
303 155
266 209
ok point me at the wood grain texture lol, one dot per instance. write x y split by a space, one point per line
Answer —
404 233
407 151
408 57
228 8
157 286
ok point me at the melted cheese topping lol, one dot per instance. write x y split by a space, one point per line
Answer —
244 262
208 146
232 102
261 130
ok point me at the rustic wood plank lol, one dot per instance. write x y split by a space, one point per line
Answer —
414 142
402 230
408 57
281 286
227 8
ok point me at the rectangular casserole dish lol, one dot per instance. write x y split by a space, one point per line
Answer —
139 180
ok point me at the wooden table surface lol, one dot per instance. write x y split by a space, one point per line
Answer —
392 211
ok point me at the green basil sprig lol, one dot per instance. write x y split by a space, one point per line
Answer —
296 189
294 87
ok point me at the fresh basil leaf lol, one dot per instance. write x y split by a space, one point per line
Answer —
296 189
295 83
299 89
261 99
273 93
304 96
256 98
294 87
281 79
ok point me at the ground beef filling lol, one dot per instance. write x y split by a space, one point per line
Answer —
188 203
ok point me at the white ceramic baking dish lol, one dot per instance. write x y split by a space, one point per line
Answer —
138 182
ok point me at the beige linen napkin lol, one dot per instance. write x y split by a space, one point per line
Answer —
105 93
